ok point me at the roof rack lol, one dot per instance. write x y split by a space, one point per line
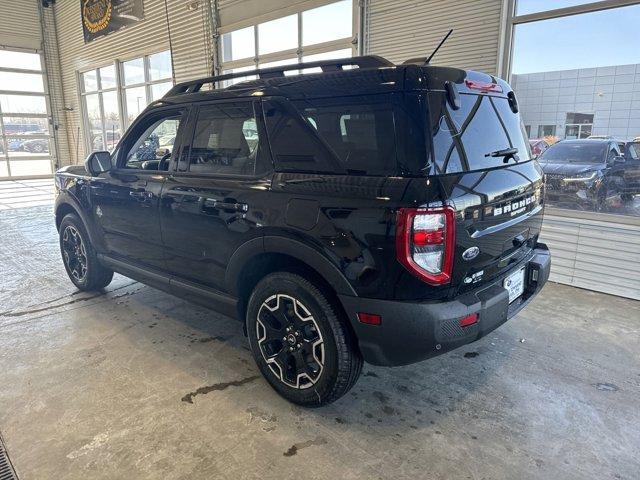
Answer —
367 61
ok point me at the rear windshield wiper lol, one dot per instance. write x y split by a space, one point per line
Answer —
507 153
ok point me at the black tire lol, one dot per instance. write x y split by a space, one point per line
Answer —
88 274
333 362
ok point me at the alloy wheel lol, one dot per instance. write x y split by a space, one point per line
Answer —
74 253
290 341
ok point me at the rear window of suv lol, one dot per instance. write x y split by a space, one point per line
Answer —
463 139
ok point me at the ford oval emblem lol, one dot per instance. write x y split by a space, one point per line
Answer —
470 253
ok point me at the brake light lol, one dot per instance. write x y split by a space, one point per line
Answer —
425 241
483 86
469 320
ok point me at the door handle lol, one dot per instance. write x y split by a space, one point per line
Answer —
218 205
142 195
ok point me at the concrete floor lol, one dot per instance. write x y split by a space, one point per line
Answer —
96 386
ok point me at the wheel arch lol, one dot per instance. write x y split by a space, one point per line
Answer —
66 204
255 259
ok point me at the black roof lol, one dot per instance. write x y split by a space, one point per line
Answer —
373 75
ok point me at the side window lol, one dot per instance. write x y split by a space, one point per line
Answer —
294 142
154 146
225 140
359 130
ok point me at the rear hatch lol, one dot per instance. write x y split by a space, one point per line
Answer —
483 162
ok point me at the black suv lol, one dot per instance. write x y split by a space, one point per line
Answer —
596 174
366 212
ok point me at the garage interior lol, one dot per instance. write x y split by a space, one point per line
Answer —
134 383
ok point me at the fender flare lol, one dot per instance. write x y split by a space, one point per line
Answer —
66 198
293 248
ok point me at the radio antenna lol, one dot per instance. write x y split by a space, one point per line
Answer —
428 60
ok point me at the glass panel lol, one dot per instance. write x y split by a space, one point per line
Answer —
567 36
27 147
23 168
335 54
277 35
133 71
136 100
23 104
279 63
4 170
153 144
160 65
111 119
481 125
159 89
108 77
582 102
238 44
294 143
228 83
25 126
327 23
524 7
28 61
95 122
225 140
21 82
357 129
90 81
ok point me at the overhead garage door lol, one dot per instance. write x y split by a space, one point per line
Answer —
402 29
26 143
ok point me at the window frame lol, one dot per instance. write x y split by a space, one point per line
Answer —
510 20
189 134
99 91
120 89
297 53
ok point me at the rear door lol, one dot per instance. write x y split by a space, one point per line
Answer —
497 196
214 200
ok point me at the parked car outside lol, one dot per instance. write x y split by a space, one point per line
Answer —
14 144
22 128
36 145
384 213
589 174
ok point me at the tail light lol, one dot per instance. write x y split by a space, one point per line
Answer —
425 241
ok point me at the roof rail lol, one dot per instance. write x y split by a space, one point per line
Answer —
367 61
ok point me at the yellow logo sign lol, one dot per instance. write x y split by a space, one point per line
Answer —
96 14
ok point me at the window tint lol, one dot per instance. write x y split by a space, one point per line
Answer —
225 140
483 124
294 143
155 143
358 131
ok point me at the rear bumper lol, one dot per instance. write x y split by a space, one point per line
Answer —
411 332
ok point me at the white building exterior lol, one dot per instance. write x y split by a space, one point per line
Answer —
579 103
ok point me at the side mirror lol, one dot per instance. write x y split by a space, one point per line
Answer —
97 163
617 160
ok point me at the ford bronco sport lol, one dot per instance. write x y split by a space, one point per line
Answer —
365 211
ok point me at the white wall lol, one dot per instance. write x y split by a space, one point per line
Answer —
402 29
